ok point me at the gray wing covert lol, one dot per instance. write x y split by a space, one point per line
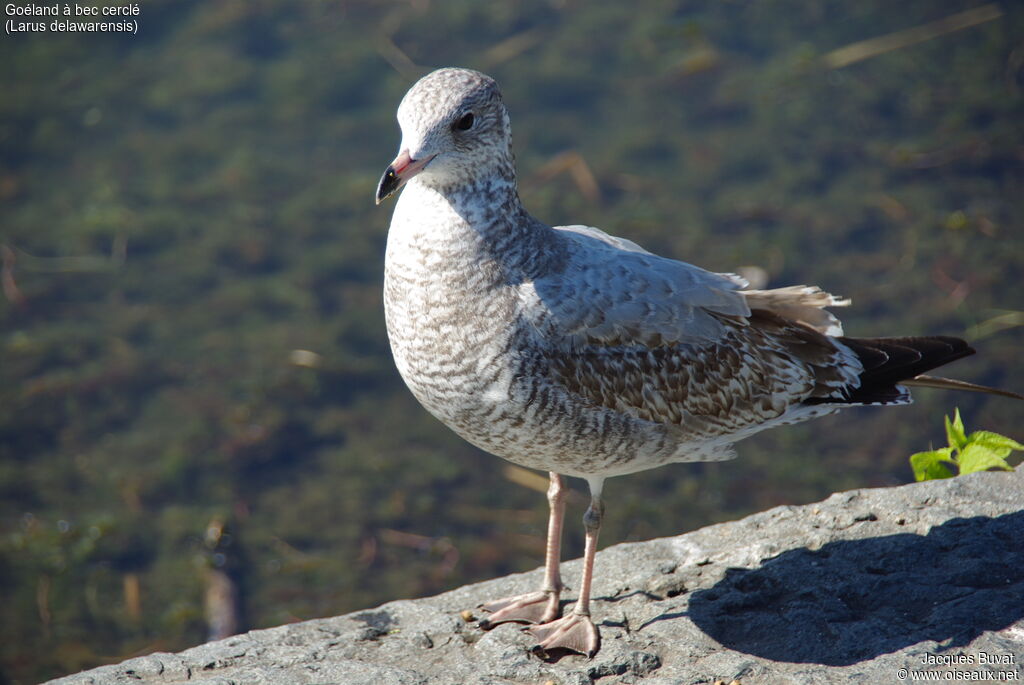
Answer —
612 291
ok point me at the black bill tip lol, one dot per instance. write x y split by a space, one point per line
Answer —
389 183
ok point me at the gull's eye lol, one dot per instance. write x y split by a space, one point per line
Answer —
465 123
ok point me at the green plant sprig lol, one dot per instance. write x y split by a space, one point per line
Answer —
979 451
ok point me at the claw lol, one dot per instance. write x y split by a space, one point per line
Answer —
533 607
575 632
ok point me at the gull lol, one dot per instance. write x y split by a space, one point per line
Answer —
572 351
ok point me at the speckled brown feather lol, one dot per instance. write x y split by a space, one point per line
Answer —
753 375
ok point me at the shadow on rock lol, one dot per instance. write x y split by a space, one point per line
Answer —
854 600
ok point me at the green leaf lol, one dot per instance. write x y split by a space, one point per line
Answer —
994 441
930 466
955 433
977 457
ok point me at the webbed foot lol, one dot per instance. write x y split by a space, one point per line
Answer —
574 632
533 607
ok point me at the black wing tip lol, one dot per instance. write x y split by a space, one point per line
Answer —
888 362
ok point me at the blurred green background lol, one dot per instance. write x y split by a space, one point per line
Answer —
200 422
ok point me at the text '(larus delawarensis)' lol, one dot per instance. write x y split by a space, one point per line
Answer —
572 351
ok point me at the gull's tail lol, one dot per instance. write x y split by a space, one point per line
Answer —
890 364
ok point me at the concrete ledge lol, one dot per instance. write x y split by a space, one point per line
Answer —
922 577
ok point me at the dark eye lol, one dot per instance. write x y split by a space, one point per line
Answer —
465 123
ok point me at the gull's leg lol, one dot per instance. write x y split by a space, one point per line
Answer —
576 632
541 606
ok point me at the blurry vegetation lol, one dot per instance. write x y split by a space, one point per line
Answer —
191 330
979 451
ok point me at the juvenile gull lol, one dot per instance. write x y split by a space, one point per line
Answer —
579 353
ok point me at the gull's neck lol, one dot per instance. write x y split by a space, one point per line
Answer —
447 211
482 218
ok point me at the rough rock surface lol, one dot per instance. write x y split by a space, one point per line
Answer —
924 577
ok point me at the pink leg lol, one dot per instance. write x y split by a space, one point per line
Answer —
592 524
541 606
553 550
576 632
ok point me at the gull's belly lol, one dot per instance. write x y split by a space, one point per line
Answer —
451 341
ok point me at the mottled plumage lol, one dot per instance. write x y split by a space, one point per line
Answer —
572 351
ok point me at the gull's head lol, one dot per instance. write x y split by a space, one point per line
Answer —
454 128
